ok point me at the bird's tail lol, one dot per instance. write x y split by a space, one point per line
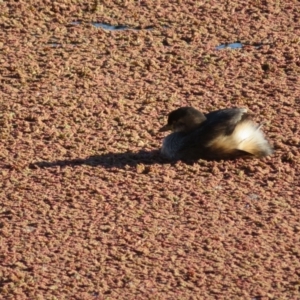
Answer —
249 138
246 137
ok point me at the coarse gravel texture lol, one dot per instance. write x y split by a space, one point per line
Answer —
89 209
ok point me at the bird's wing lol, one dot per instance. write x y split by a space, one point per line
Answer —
225 120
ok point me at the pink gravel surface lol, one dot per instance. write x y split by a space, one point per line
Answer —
88 208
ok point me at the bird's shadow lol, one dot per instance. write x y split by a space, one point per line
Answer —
109 160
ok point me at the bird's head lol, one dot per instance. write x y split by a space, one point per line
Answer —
183 119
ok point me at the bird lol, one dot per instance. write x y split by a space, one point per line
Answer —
227 133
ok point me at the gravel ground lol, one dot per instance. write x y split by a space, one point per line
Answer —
89 209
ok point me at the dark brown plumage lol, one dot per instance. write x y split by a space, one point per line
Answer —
222 134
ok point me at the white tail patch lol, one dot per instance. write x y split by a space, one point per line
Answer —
246 136
250 138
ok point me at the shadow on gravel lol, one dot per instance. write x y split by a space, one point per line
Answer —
110 160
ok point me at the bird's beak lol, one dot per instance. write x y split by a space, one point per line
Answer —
165 128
